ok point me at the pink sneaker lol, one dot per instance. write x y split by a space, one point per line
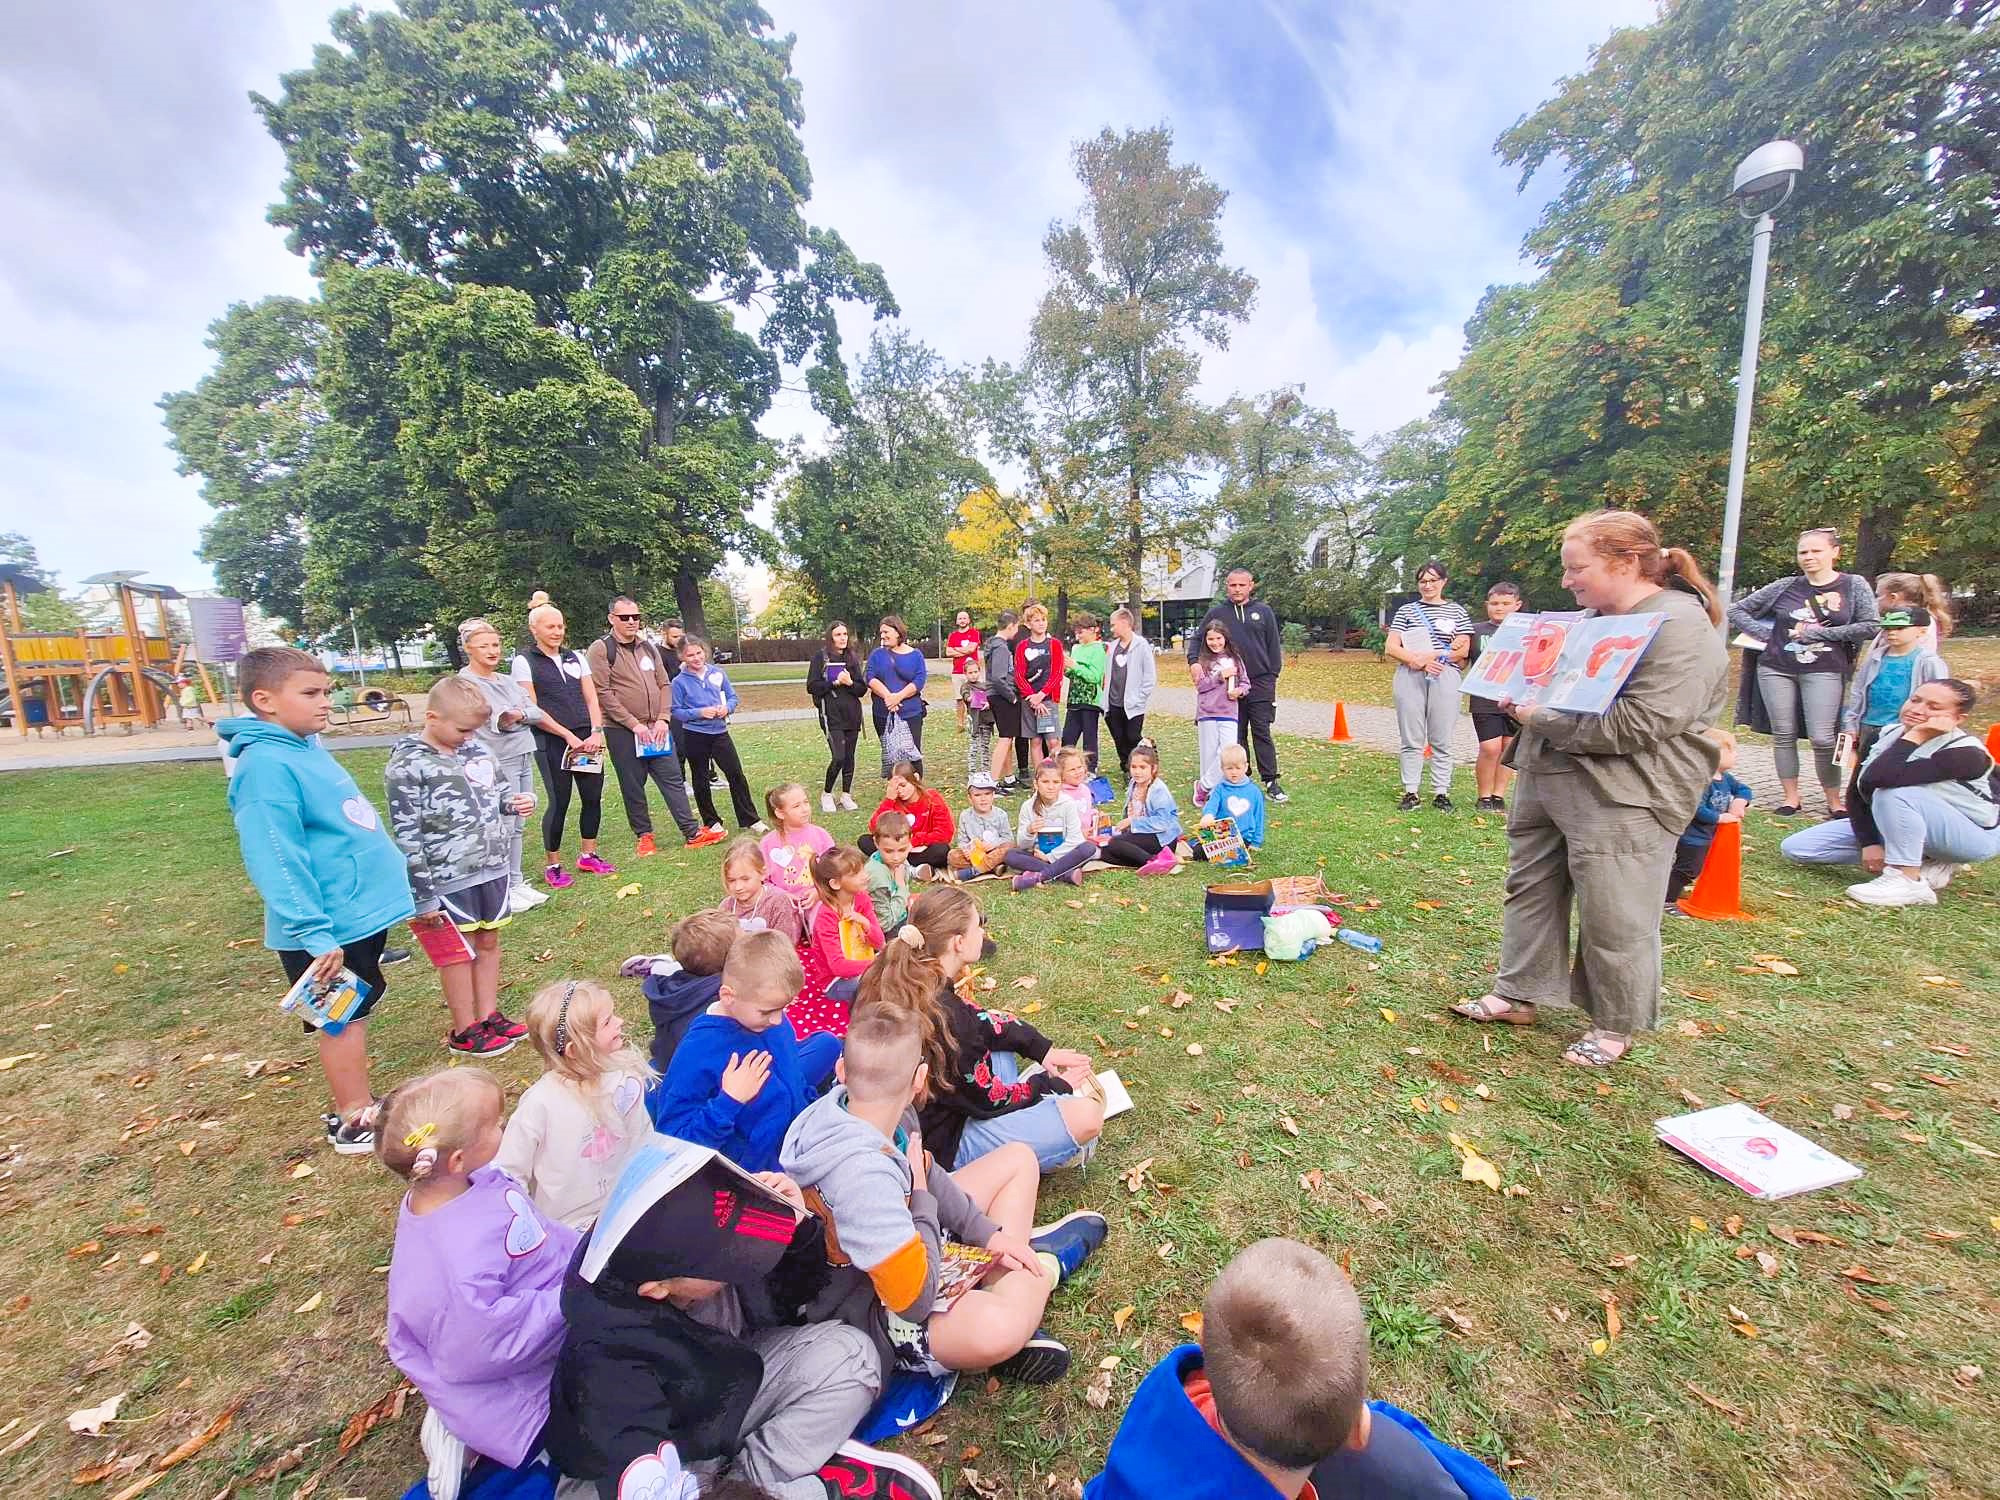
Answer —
590 864
557 878
1160 863
1027 880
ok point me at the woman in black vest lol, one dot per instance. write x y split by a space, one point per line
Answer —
835 682
559 682
1811 623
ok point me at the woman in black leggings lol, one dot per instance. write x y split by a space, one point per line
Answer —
836 684
559 683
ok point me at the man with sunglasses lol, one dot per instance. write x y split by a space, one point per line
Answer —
634 689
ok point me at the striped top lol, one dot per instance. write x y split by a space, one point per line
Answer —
1441 623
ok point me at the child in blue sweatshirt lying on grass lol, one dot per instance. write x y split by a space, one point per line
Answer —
1275 1397
739 1076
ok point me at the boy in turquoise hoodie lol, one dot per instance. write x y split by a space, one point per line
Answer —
333 884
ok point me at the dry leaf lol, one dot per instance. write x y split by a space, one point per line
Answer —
88 1247
1613 1324
1968 1375
1180 999
628 890
1863 1275
1312 1181
1880 1304
1098 1391
1457 1321
200 1440
187 1148
23 1440
1287 1124
90 1420
1194 1049
1600 1347
1622 1262
1693 1100
194 1267
1515 1190
1121 1317
1482 1091
1707 1400
311 1304
1166 1251
8 1064
1370 1202
1798 1239
1698 1224
1951 1049
363 1422
1135 1176
1026 982
139 1487
1767 1263
1476 1168
1191 1321
1943 982
302 1171
1733 1225
1843 1111
1031 1008
1388 1015
1746 1328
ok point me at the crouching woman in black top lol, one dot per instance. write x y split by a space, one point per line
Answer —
1926 801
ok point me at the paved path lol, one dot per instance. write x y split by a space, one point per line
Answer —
1375 727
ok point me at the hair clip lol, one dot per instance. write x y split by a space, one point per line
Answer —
562 1018
421 1134
424 1164
909 933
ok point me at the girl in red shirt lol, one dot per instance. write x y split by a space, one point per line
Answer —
931 823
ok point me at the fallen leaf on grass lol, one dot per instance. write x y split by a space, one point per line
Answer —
1135 1176
991 1489
1194 1049
90 1420
1514 1190
1976 1149
1033 1007
1313 1181
1951 1049
1880 1304
1968 1375
365 1421
284 1463
1074 905
1388 1015
1863 1275
1767 1263
625 891
1600 1347
1476 1168
1843 1111
1227 1007
1885 1112
1026 982
1697 1223
1944 1236
1613 1324
1287 1124
23 1440
1166 1251
187 1148
88 1247
1622 1262
1942 981
1191 1321
1693 1100
311 1304
1121 1317
98 1473
1370 1202
1733 1225
1456 1321
1798 1239
1711 1401
302 1171
195 1266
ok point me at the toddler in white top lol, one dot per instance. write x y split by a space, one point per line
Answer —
576 1126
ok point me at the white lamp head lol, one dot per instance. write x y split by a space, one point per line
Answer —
1773 167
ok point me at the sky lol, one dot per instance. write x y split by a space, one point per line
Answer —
1354 138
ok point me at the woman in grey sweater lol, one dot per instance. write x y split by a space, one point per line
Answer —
507 735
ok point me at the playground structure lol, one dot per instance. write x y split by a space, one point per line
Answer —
87 678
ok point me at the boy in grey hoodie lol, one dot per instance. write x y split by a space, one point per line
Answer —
888 1209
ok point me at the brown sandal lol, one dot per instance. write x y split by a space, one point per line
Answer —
1589 1051
1491 1008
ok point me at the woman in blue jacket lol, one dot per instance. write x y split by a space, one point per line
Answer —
896 675
703 700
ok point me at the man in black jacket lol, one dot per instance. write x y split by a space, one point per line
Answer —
1253 625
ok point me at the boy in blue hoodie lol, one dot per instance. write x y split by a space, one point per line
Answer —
1275 1397
1725 801
739 1076
701 942
332 882
1237 797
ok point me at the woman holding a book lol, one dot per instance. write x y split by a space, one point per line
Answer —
569 741
1602 799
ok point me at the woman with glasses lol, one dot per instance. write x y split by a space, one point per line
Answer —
1811 624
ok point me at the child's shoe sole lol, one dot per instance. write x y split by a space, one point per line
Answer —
1042 1361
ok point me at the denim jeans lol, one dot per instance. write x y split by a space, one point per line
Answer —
1917 825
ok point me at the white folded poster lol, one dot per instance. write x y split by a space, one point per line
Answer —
1754 1152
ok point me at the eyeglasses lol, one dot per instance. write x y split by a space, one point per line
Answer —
634 616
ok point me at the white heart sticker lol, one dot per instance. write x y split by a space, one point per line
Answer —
715 679
645 663
573 668
361 813
525 1231
656 1476
781 856
1237 806
479 772
625 1096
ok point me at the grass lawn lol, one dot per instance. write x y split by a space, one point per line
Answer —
163 1165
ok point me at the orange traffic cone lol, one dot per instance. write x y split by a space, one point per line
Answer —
1338 735
1427 752
1993 742
1718 891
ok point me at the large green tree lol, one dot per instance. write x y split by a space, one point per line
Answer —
1292 491
864 525
633 168
1611 378
1138 285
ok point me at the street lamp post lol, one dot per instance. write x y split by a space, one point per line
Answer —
1763 183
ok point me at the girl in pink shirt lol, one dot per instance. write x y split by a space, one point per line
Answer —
793 842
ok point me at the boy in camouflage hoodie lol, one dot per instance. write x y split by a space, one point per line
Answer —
451 812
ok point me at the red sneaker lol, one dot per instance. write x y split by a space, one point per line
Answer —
645 846
479 1040
499 1025
706 837
859 1472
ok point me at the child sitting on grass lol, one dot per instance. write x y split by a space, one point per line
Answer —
750 896
739 1077
1237 798
858 1157
701 944
984 831
1275 1398
843 941
889 872
1725 800
1144 838
455 818
687 1345
475 1280
332 882
793 843
930 817
573 1130
1049 844
1076 773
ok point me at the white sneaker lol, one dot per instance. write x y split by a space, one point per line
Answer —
848 804
522 898
1937 876
760 828
826 802
1893 888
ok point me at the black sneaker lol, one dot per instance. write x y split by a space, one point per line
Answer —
1042 1361
1275 792
350 1138
1442 803
1410 803
394 956
1070 1241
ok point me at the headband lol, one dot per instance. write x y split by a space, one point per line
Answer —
562 1018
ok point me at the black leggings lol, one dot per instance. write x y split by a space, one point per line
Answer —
1080 728
700 751
1131 849
1126 732
937 856
840 758
549 753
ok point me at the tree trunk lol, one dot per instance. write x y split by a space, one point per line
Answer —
448 636
1135 545
396 655
1062 609
1875 543
687 599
